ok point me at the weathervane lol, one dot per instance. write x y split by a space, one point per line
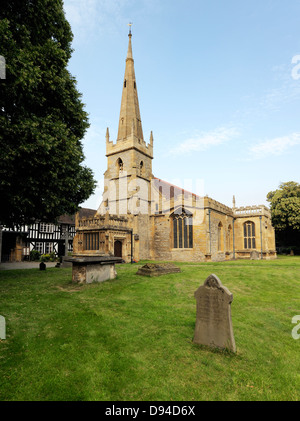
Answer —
130 25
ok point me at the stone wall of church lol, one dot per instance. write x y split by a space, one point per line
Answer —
163 242
264 236
161 237
220 231
212 236
142 236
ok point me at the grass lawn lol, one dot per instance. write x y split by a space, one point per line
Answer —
131 338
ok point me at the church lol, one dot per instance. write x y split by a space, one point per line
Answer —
142 217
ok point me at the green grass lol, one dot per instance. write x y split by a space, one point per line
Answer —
131 338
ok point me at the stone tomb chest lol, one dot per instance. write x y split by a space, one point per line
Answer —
156 269
86 269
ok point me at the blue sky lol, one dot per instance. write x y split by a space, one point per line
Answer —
218 83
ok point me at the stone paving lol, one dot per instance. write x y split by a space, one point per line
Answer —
24 265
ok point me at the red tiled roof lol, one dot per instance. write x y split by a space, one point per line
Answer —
170 190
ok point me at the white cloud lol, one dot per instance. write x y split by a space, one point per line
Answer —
206 140
94 133
276 146
79 13
284 92
287 89
88 18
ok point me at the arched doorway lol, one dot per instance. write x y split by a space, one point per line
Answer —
118 248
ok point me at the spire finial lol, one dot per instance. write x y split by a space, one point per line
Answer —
129 52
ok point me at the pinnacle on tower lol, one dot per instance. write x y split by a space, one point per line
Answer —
151 138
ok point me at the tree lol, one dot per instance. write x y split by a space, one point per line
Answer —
285 211
42 118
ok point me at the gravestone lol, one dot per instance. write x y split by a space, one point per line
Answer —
42 266
213 317
2 328
254 255
155 269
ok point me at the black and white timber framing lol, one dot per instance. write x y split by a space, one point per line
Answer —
43 237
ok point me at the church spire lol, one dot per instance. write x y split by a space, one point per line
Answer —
130 119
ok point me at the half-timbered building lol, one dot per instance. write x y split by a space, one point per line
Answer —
46 238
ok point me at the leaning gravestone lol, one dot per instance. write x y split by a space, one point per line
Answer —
213 318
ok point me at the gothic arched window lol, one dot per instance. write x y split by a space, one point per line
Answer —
220 237
182 230
120 165
249 235
141 168
229 238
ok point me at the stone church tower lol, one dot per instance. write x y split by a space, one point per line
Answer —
144 217
122 223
